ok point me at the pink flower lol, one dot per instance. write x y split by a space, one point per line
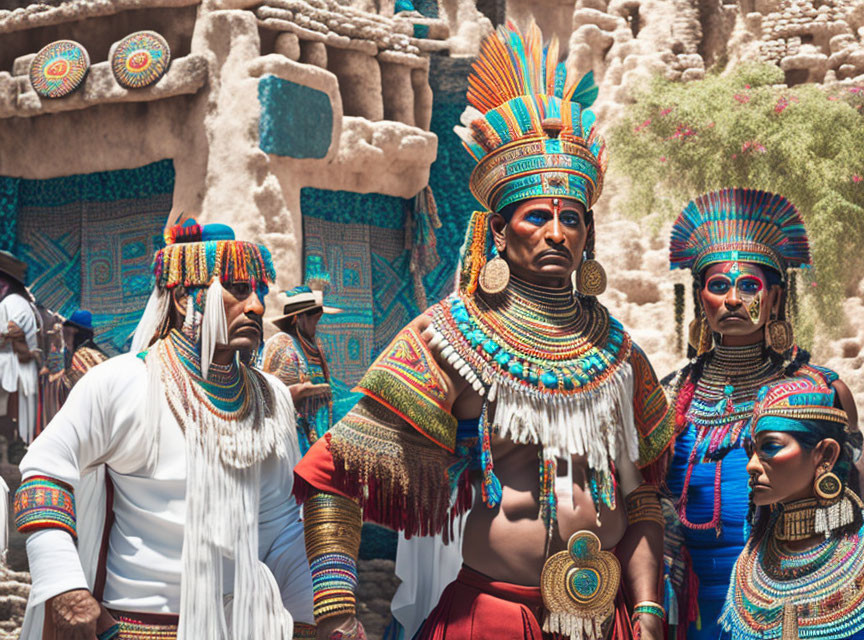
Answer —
746 86
832 98
856 89
682 131
752 145
740 97
662 158
856 178
665 111
639 128
781 105
734 155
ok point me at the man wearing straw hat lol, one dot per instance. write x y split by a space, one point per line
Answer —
296 357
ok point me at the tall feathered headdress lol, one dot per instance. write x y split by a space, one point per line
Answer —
529 126
739 224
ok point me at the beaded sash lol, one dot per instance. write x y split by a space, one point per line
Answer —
776 593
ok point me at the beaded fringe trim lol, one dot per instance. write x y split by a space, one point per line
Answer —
573 626
594 423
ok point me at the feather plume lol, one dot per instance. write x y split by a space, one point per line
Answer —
738 217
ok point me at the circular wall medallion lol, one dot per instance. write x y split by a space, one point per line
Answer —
140 59
59 68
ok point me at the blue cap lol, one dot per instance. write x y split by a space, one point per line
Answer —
81 318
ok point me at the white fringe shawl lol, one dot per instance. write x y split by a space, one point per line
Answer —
597 424
223 461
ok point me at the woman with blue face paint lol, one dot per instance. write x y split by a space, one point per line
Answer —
802 571
740 245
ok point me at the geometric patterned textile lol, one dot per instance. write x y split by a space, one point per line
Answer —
361 238
369 277
89 240
8 212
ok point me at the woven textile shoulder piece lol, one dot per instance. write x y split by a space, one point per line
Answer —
649 407
44 503
529 126
192 259
739 224
407 380
776 593
400 478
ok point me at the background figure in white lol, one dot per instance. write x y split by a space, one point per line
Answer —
19 369
425 566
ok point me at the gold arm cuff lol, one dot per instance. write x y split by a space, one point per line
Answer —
643 505
331 524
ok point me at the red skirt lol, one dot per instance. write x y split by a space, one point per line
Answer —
475 607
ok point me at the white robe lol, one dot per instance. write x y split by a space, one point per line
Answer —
22 377
101 428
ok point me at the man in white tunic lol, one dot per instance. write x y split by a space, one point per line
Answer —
19 371
172 467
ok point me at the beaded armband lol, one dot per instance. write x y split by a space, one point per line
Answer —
44 503
650 608
332 530
643 505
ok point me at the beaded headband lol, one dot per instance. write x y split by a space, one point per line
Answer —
739 224
794 401
528 125
195 254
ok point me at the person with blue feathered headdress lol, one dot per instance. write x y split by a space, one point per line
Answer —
741 247
516 399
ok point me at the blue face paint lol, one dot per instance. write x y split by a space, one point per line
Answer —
769 449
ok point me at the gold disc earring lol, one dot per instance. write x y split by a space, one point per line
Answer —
494 276
590 277
827 486
779 335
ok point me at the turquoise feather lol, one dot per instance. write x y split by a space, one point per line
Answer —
585 93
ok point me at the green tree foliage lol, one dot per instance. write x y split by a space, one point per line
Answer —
807 143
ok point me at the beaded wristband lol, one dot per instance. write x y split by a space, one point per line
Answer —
332 531
44 503
643 505
111 633
651 608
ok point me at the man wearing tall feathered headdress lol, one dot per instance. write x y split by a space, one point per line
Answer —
513 373
170 467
